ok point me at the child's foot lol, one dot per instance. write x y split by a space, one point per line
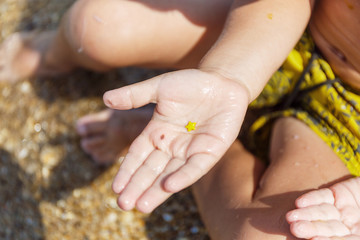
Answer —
328 213
107 133
22 56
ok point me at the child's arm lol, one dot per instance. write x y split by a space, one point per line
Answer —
166 157
256 39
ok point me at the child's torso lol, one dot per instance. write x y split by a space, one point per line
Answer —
335 27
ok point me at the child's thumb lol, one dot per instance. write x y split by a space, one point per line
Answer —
132 96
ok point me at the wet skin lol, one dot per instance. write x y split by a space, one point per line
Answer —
336 30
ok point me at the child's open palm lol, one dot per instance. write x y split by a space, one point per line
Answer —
167 157
328 213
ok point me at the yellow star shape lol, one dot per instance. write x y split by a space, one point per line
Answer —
191 126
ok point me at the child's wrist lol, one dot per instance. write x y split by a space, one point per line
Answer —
226 76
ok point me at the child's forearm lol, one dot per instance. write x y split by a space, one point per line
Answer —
256 39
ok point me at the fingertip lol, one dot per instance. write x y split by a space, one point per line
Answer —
117 188
315 197
117 98
117 185
81 128
296 228
125 204
171 186
301 229
121 179
291 217
107 98
301 202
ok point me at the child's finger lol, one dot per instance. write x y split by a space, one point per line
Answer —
139 150
315 197
350 237
190 172
308 230
143 179
156 194
323 212
133 96
203 152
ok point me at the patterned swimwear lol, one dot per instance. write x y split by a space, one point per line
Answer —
306 88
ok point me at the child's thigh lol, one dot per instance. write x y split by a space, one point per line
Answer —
300 161
146 32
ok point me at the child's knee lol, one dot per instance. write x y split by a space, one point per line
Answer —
89 31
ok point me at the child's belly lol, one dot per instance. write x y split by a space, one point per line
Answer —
335 27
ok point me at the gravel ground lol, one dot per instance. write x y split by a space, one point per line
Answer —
49 188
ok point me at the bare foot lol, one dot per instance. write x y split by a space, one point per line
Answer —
107 133
22 55
328 213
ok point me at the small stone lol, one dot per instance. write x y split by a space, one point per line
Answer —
111 217
76 193
6 92
37 127
194 230
167 217
23 153
45 172
25 87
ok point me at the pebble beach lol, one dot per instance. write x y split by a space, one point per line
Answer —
49 188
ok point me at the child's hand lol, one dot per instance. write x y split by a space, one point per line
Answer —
166 157
328 213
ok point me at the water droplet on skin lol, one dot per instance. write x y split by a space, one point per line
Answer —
99 20
157 169
126 202
295 137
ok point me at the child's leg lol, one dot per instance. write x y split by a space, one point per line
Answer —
300 161
229 186
167 34
100 35
107 133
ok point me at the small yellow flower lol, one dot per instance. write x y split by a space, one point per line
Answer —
191 126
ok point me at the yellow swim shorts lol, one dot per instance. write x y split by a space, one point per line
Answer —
306 88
